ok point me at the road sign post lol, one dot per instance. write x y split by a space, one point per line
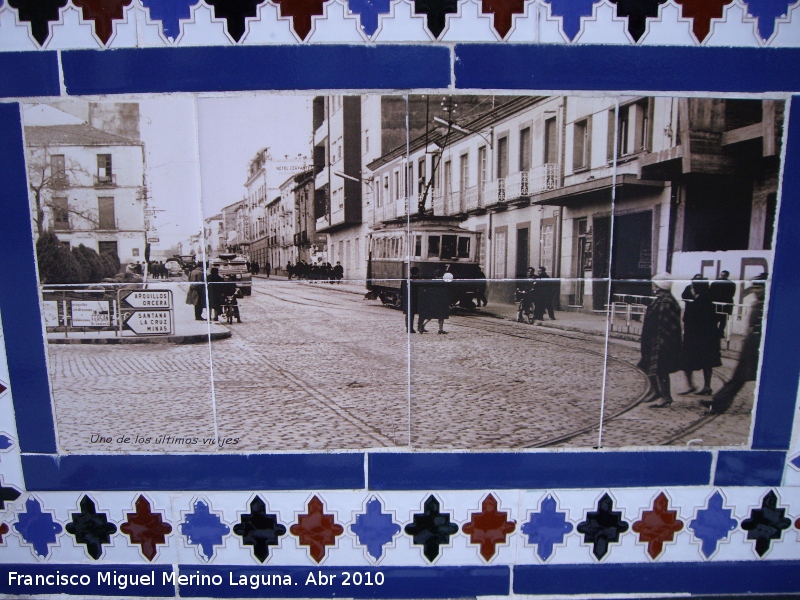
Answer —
146 312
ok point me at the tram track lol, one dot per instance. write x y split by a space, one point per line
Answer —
695 425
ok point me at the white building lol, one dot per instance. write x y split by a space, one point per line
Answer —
88 184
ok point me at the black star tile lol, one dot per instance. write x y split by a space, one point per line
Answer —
431 528
38 13
235 12
91 528
8 494
637 12
766 523
603 526
258 529
435 12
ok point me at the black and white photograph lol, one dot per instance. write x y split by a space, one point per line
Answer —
269 272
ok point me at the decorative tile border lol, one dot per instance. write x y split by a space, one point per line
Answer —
63 24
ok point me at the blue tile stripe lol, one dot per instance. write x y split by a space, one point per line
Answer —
780 370
19 295
203 69
745 577
753 468
674 68
539 470
28 74
194 473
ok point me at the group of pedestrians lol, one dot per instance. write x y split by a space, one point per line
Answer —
213 289
537 294
315 272
157 270
255 268
670 343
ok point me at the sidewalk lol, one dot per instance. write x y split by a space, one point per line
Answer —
351 286
581 322
186 329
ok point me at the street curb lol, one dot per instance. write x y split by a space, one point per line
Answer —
171 339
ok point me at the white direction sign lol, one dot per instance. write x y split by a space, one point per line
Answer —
90 313
147 299
148 322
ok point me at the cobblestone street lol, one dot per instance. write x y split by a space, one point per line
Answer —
314 366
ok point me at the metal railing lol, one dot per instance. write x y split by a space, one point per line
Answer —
627 315
105 181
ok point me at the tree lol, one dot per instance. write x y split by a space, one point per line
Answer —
43 180
56 263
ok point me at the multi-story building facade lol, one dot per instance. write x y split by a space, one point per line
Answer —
265 174
310 245
214 235
691 183
87 180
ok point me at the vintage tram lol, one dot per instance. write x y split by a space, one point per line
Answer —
433 245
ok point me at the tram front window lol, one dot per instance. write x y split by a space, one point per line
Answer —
449 246
463 247
433 246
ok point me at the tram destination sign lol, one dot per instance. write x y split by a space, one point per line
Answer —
146 299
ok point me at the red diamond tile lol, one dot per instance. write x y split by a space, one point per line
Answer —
489 527
658 526
316 529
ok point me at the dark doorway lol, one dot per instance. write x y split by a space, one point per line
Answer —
633 254
523 252
601 237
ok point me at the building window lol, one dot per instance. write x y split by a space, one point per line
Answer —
633 128
60 207
106 217
366 140
396 186
481 170
525 149
502 157
550 141
386 187
421 170
581 147
339 148
464 175
107 248
448 178
58 171
104 173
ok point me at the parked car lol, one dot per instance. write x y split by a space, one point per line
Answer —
174 268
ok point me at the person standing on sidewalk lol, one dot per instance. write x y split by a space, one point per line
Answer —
267 269
197 291
700 335
723 290
661 341
549 290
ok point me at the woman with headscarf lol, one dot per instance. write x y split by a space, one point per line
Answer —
661 341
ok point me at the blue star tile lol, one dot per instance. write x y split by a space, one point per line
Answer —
713 523
547 528
204 529
5 441
571 12
170 12
37 528
767 11
375 528
368 11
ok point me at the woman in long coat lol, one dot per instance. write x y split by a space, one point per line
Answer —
700 336
661 341
197 291
433 301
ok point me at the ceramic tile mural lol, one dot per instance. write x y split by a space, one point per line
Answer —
394 299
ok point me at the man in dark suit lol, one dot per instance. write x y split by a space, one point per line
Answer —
723 290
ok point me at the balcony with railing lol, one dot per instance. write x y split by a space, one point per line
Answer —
390 210
105 181
59 181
